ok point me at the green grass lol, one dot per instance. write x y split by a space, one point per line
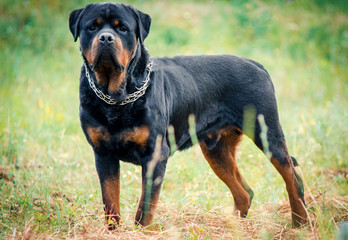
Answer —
48 183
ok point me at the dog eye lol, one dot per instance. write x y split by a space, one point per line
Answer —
122 29
91 28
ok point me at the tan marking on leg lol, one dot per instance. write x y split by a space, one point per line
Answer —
142 218
111 200
299 213
222 160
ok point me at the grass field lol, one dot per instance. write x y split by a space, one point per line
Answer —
48 183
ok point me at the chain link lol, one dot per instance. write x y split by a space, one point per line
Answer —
130 98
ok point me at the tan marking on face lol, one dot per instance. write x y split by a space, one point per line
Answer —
123 57
106 75
91 52
94 50
99 21
101 76
116 22
97 134
138 135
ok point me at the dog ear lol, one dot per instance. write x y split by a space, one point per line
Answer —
144 23
74 21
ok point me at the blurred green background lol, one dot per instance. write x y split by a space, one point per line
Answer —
303 44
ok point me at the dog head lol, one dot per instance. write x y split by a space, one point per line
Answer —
110 34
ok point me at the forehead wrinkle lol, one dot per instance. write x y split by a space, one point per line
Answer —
107 10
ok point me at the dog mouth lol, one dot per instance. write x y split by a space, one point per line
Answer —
106 60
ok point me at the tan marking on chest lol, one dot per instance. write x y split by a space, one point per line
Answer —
138 135
97 134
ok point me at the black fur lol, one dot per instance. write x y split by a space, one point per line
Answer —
215 89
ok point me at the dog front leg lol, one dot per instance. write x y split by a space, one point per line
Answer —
108 170
152 178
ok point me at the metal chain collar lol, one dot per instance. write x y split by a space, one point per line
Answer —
130 98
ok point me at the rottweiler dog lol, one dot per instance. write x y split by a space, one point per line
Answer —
128 99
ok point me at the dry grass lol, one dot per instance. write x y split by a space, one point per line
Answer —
193 222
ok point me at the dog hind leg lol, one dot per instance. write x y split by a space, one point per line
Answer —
222 159
285 164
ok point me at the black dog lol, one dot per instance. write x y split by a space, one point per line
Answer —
128 99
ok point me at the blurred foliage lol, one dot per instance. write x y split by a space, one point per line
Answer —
40 26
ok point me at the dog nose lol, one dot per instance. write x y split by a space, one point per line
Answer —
106 38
